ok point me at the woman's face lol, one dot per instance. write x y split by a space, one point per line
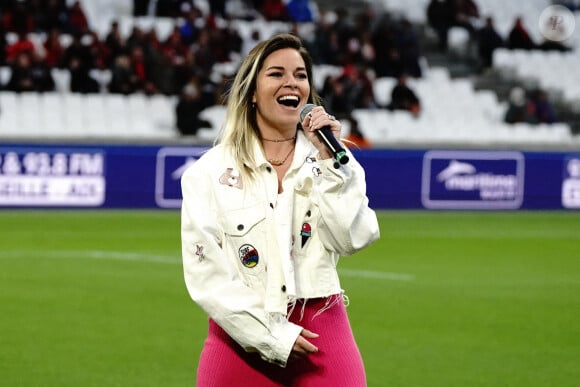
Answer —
282 88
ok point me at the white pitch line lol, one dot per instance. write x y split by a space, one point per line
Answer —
174 260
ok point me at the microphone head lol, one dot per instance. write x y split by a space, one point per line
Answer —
305 110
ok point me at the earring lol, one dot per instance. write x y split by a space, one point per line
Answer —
253 105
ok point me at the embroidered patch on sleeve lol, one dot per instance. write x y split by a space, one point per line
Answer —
199 252
231 178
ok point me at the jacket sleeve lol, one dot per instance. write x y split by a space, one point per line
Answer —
347 224
214 283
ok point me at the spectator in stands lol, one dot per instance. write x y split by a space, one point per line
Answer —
244 276
3 46
440 17
274 10
356 137
41 74
53 14
336 98
188 29
29 73
77 20
136 38
388 61
488 41
520 109
359 86
141 7
368 53
519 37
403 97
329 48
17 18
408 47
466 14
141 76
205 49
115 43
122 81
80 79
53 48
188 107
172 8
77 49
99 52
22 46
218 8
177 60
300 11
543 108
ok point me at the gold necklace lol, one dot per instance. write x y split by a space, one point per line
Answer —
282 140
278 163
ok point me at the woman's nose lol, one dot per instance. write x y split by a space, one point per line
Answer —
291 81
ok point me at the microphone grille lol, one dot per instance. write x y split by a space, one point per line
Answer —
305 110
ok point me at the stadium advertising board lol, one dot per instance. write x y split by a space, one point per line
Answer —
571 182
118 176
169 166
472 180
52 177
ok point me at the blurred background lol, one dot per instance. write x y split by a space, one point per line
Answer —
469 72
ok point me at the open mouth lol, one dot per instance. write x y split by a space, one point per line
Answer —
289 100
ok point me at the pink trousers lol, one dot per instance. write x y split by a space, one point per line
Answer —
338 363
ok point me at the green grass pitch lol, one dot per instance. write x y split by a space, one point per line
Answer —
97 298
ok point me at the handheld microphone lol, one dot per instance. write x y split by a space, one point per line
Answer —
325 135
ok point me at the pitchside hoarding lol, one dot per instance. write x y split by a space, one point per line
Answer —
111 176
52 177
472 180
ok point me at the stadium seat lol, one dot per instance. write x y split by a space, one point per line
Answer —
9 114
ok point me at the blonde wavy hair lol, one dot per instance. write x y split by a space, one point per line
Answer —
240 128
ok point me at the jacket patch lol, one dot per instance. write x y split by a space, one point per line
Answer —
248 255
199 252
231 178
315 170
306 233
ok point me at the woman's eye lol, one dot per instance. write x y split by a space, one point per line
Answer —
302 76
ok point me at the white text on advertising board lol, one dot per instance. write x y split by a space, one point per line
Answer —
52 179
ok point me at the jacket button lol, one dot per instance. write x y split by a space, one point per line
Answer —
240 227
308 213
269 169
284 288
271 205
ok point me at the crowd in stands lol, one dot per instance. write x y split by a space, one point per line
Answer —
531 107
442 15
366 46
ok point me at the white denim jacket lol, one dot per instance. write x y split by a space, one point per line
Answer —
232 263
